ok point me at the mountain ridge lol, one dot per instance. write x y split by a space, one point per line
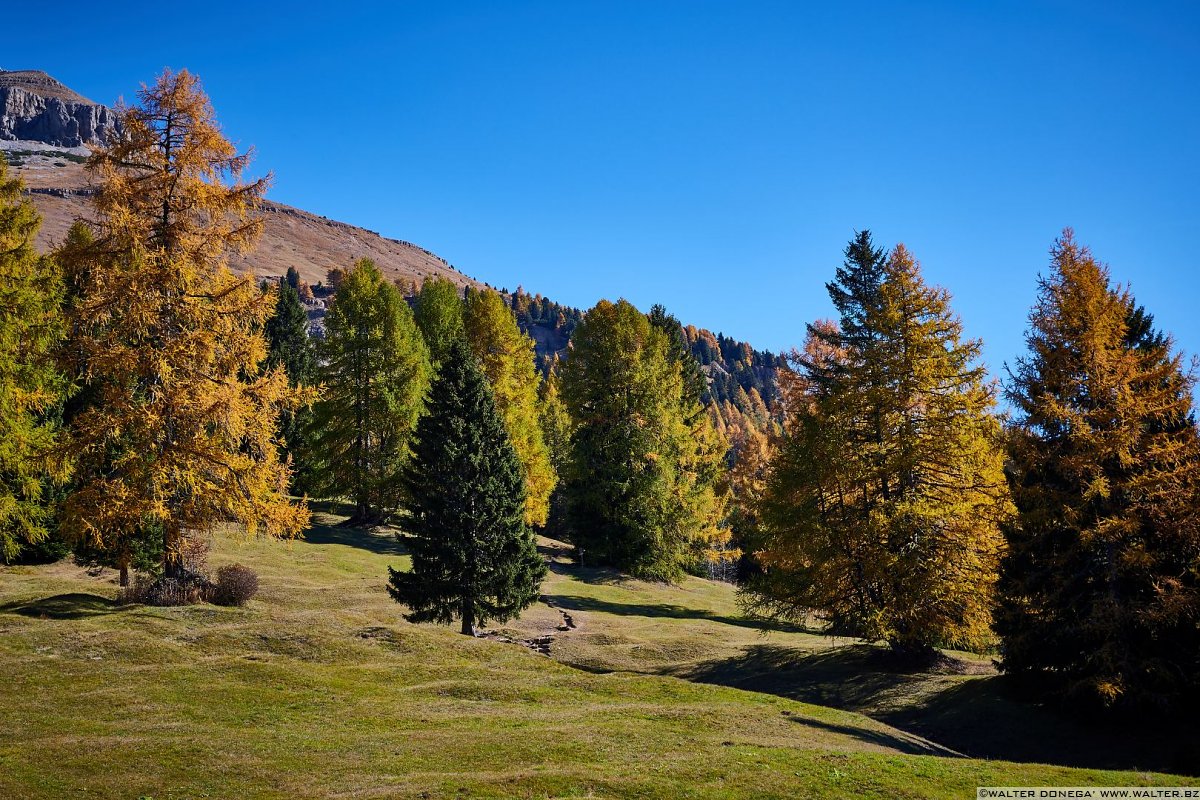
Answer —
59 186
36 107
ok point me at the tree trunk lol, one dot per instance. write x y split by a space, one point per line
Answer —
172 557
124 573
468 617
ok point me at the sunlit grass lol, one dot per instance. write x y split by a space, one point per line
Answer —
319 688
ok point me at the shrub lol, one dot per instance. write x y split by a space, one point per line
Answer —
235 585
187 589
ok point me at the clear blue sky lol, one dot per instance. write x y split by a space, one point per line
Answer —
714 157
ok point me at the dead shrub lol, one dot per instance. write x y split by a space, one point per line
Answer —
235 585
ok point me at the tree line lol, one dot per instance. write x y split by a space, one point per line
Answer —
149 395
899 505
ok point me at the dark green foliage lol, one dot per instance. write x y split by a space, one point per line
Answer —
473 556
142 552
289 348
857 295
45 551
288 345
694 383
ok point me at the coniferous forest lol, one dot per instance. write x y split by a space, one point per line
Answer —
875 486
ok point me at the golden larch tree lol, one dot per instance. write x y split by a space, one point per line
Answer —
1100 589
885 497
180 428
507 358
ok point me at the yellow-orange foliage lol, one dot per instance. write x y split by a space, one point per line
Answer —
179 428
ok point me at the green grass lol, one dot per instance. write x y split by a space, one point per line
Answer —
319 688
694 631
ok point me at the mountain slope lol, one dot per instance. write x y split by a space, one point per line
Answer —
46 129
291 237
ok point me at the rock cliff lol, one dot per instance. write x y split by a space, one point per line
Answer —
35 107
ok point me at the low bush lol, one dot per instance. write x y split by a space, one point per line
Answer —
188 588
235 585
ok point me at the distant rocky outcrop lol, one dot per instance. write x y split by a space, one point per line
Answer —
35 107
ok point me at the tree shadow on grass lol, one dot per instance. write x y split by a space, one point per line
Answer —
895 740
975 715
666 611
849 677
75 605
382 542
561 560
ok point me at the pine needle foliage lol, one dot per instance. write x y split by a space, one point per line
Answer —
882 509
289 348
641 481
180 428
31 327
473 555
439 314
1101 584
374 374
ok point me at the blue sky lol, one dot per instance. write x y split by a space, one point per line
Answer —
714 157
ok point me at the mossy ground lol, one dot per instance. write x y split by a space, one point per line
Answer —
319 688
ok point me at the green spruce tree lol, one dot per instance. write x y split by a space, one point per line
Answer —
473 556
289 347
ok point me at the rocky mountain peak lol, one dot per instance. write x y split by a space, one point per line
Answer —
34 107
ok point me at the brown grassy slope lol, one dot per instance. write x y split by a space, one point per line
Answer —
291 237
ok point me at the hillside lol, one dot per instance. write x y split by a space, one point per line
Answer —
291 237
319 688
46 129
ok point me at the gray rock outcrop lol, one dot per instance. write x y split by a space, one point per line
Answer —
35 107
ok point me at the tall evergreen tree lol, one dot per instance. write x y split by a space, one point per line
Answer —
641 481
1101 584
179 428
31 326
473 556
288 343
290 349
439 314
374 372
506 356
884 501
